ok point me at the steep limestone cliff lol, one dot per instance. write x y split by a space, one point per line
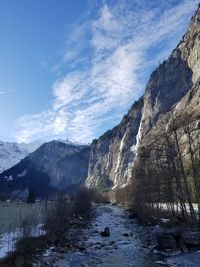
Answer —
113 154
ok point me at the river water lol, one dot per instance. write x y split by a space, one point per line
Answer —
127 245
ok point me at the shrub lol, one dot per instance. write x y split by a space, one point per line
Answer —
58 219
83 200
31 197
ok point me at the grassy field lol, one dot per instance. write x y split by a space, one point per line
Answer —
12 215
20 220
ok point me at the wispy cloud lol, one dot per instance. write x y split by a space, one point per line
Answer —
110 55
5 92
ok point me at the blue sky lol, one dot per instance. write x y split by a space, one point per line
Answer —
72 69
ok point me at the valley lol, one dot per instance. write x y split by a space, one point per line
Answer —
131 197
127 245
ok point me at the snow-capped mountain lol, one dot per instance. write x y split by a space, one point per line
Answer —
53 166
12 153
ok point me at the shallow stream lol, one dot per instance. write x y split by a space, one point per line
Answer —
129 245
126 246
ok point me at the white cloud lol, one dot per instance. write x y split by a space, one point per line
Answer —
68 90
5 92
104 83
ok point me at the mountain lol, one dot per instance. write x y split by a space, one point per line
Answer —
12 153
173 86
53 166
108 163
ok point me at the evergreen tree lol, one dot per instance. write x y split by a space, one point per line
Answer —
31 196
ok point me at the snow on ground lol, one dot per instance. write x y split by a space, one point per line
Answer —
190 259
22 174
125 247
8 240
10 178
164 206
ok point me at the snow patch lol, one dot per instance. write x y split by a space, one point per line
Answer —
132 148
48 252
138 137
12 153
21 174
8 178
164 220
119 154
8 240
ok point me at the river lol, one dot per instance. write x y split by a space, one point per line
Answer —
127 245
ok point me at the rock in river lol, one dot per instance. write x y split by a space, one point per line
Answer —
106 232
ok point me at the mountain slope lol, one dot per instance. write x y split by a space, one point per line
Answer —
51 167
12 153
113 154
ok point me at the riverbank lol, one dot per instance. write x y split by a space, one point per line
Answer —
59 221
129 243
25 251
177 242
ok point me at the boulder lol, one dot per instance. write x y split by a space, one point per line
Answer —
166 241
190 239
126 234
106 232
178 240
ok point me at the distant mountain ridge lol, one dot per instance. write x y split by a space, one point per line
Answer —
12 153
53 166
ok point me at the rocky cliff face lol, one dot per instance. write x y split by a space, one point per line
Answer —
54 166
73 168
113 154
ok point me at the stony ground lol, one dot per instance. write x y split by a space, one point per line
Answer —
129 244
